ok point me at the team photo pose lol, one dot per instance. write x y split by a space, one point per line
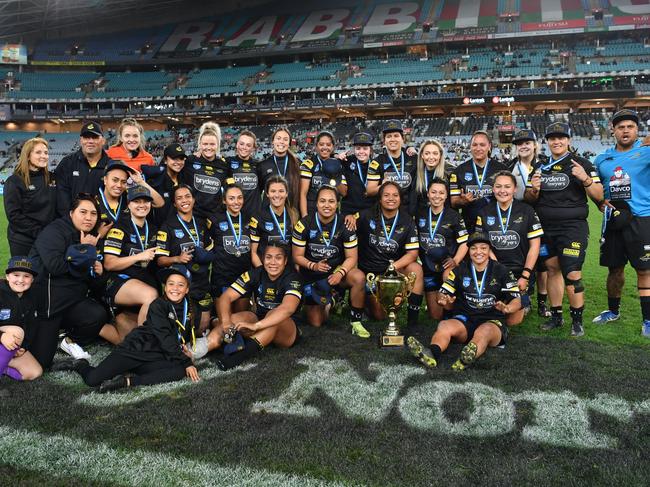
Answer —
129 252
318 170
443 242
431 165
558 191
129 147
387 233
363 184
185 239
69 275
18 320
158 351
480 293
29 196
274 222
276 291
325 252
282 162
244 172
515 234
469 183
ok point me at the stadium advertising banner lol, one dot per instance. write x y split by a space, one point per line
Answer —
630 12
14 54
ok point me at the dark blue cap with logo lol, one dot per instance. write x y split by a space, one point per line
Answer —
118 165
362 138
21 263
478 237
321 292
332 167
558 129
81 258
180 269
523 136
393 126
138 192
625 114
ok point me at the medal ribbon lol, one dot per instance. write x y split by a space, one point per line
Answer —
181 326
187 230
232 227
363 181
524 180
283 233
389 236
504 228
114 216
320 229
607 214
480 181
552 162
286 162
479 287
400 174
143 245
432 234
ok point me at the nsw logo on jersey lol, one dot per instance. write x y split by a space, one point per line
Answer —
268 226
179 233
468 176
223 226
466 281
490 220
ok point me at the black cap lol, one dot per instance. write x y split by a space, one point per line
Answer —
91 128
478 237
625 114
180 269
136 192
524 136
393 126
21 264
558 129
362 138
175 151
118 165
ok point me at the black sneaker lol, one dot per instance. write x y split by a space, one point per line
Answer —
542 310
577 330
119 382
552 323
69 364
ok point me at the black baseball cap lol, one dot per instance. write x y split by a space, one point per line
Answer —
393 126
362 138
478 237
175 151
524 136
92 128
118 165
138 191
625 114
21 264
558 129
180 269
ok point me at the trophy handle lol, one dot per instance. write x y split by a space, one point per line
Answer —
371 281
410 283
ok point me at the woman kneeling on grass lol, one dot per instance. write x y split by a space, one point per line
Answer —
481 294
277 292
155 352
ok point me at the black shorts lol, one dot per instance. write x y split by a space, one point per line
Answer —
115 283
203 299
472 323
631 244
567 242
432 282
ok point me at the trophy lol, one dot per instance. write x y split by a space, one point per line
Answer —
391 290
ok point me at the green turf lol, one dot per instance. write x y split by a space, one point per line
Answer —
334 408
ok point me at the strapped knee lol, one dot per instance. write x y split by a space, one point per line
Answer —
578 286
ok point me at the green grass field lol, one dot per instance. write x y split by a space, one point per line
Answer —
335 410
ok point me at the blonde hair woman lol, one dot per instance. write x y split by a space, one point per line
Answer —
29 197
130 145
431 165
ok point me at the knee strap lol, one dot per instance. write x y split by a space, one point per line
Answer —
643 288
578 286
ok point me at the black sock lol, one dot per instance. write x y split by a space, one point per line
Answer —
541 298
251 348
436 351
614 304
576 313
556 312
356 314
415 301
645 307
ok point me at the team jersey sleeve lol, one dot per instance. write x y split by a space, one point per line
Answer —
254 230
307 169
449 286
113 242
534 225
244 283
591 171
412 241
344 180
299 235
510 287
461 231
478 227
162 242
206 234
454 187
293 287
350 240
373 171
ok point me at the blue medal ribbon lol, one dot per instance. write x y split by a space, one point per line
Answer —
432 233
387 235
479 286
181 326
607 214
232 227
114 216
363 181
504 228
143 246
481 180
283 233
196 241
546 167
286 162
524 180
400 174
320 229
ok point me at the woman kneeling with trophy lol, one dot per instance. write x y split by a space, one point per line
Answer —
481 293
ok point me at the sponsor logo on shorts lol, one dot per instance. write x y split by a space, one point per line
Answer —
571 252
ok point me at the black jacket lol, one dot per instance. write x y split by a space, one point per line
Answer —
18 310
73 176
28 209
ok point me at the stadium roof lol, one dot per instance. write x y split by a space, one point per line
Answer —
22 19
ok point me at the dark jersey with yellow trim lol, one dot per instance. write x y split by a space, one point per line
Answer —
172 239
463 179
356 200
230 258
263 229
562 196
510 247
105 215
460 283
207 179
312 170
158 179
404 176
306 234
245 175
125 239
268 294
450 233
375 250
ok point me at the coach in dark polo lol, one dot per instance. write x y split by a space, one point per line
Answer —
81 171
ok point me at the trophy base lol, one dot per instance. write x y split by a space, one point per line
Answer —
391 342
